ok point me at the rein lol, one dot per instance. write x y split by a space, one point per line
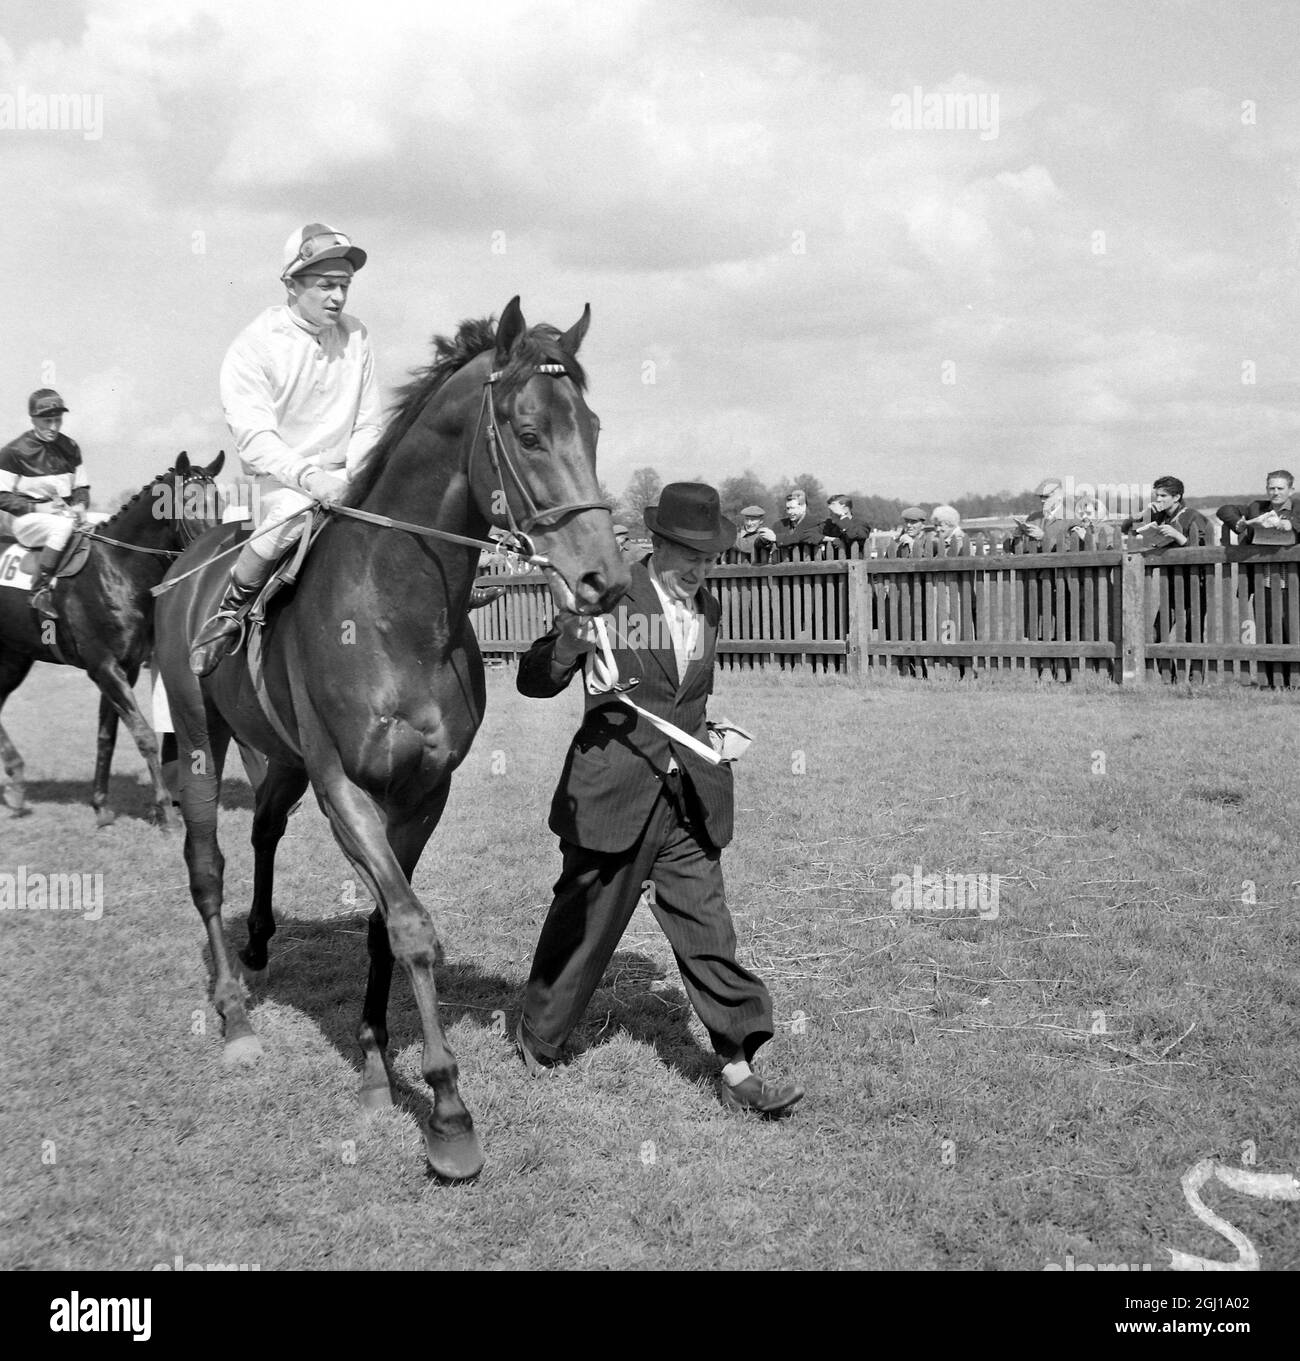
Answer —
182 525
134 547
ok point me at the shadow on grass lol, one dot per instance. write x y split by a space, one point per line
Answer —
127 797
320 969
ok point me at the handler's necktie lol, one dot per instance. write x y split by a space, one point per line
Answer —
683 624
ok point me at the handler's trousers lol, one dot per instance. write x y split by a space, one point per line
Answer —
595 897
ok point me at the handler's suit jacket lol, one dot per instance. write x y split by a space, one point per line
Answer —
617 761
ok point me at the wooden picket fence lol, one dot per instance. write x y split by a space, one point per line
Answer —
1210 613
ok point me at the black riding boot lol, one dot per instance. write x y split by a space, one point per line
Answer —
43 583
220 634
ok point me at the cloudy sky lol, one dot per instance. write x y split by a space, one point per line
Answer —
1098 279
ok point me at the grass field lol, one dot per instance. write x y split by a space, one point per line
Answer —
991 1092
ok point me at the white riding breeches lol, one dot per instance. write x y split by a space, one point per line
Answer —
40 530
279 527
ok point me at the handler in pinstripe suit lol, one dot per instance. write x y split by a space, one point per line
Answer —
634 805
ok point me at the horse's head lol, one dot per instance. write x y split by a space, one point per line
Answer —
533 468
187 496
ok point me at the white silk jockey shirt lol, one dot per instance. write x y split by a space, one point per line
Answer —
298 402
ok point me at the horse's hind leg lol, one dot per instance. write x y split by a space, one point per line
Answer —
105 743
281 787
14 667
200 797
372 1033
116 686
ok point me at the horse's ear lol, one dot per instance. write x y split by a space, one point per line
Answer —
572 338
215 466
182 462
509 329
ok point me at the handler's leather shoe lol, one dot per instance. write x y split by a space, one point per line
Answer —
537 1065
768 1099
485 595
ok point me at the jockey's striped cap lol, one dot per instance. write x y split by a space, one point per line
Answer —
315 243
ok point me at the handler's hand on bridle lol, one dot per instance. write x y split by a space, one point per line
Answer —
577 635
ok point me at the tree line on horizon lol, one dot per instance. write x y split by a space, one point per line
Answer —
880 512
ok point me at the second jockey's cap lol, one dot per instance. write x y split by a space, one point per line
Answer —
315 243
45 402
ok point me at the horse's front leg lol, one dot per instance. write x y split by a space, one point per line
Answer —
450 1141
104 746
116 689
407 838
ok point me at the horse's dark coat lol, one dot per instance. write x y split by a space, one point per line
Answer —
373 667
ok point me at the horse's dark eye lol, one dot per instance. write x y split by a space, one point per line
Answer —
529 440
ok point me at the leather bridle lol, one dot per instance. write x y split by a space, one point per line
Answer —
499 455
181 523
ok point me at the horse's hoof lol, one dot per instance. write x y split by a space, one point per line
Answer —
255 975
245 1051
21 811
105 817
376 1099
459 1159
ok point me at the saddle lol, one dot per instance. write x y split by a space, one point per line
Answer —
18 562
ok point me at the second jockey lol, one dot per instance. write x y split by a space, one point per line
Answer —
43 486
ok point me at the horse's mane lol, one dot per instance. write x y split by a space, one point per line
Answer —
540 345
144 491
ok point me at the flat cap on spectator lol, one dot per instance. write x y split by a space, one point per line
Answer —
913 513
1047 486
750 511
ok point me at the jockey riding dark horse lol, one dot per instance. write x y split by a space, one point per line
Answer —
43 486
103 620
299 392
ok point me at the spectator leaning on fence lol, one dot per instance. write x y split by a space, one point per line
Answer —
1044 530
842 526
947 526
1087 522
796 529
753 539
1278 511
1178 525
914 536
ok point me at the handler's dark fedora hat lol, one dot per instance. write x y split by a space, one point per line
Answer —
690 514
